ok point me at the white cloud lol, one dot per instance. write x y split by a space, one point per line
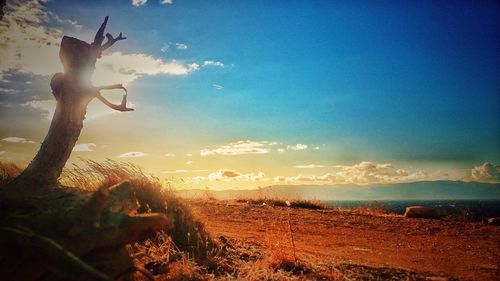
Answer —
17 140
180 46
213 63
169 155
183 171
331 178
138 3
132 154
189 154
298 146
166 1
84 147
189 162
328 177
217 87
239 148
310 166
7 91
486 172
193 66
29 46
232 175
367 172
316 148
62 21
125 68
174 172
363 173
280 150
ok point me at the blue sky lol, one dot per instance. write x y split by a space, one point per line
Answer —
411 84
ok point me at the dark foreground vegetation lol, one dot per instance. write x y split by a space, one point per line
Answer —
227 251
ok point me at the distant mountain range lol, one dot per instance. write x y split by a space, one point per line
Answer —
425 190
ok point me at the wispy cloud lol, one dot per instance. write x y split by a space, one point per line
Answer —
132 154
239 148
125 68
184 171
17 140
84 147
298 146
169 155
30 46
217 87
174 172
232 175
7 91
166 1
180 46
193 67
138 3
164 48
310 166
189 162
368 173
27 45
213 63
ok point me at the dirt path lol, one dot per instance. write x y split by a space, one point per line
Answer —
464 250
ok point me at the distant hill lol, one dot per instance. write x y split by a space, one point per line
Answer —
426 190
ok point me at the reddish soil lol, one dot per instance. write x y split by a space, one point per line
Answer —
466 250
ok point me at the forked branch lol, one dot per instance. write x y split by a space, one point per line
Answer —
99 37
111 41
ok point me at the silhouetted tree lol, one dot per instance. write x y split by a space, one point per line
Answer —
51 232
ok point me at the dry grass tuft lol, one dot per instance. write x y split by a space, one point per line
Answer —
91 175
184 269
188 239
8 171
278 259
189 233
280 202
161 257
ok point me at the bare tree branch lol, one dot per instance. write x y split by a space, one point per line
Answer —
120 107
99 36
111 41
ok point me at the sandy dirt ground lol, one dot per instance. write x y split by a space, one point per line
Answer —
466 250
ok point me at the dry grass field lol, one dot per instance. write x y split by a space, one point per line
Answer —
279 239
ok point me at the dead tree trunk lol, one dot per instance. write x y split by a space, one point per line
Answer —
50 232
72 91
